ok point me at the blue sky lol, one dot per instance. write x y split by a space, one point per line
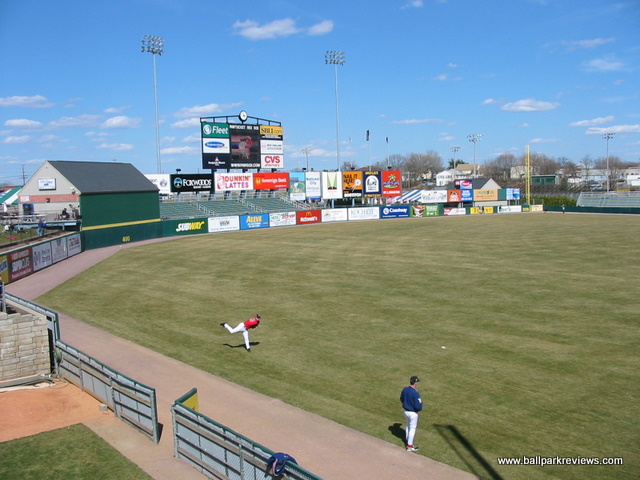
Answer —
551 74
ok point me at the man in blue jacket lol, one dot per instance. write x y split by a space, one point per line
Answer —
411 404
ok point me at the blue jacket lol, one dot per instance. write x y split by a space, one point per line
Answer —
410 399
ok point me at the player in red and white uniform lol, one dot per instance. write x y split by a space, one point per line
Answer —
244 327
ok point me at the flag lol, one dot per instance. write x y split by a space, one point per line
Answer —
387 139
367 135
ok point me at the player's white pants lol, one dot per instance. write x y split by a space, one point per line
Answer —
412 425
240 328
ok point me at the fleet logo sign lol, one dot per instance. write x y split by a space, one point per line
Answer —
215 130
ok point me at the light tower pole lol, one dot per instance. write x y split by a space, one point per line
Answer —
454 150
335 58
608 136
155 46
306 151
474 138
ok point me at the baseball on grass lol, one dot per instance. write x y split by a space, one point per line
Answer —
444 346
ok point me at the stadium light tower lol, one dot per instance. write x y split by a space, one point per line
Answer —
155 46
306 151
335 58
608 136
454 150
475 138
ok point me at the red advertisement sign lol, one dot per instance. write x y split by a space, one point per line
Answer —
391 183
20 264
308 216
270 181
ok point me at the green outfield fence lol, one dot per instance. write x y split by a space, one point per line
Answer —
217 451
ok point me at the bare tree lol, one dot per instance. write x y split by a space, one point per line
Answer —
419 167
500 168
348 166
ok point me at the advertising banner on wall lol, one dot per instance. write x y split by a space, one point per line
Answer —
467 195
198 225
20 264
42 256
282 219
271 181
313 185
513 194
403 211
485 195
297 186
161 181
331 185
372 184
59 249
453 196
190 182
352 184
364 213
233 181
257 220
223 224
433 196
334 215
391 183
74 244
308 216
4 269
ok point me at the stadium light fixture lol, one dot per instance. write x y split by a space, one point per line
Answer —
335 58
155 45
608 136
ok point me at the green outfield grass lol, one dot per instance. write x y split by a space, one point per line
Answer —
70 453
538 314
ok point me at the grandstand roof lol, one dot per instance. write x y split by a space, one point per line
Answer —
103 177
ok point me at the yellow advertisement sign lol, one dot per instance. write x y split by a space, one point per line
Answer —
4 269
485 195
270 130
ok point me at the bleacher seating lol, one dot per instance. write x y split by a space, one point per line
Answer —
610 199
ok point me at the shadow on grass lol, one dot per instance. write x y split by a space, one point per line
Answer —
241 345
469 455
397 431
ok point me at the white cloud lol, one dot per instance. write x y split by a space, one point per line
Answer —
592 122
47 138
121 121
591 43
205 110
321 28
491 101
179 150
20 139
35 101
416 4
529 105
613 129
114 110
79 121
604 64
278 28
188 123
193 138
544 140
416 121
116 147
22 123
